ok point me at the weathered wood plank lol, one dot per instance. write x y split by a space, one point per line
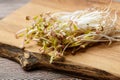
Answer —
30 60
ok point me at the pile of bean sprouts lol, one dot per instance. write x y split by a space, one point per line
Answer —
57 32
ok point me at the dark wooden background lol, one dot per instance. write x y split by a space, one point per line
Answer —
12 70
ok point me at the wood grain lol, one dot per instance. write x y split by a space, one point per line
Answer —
98 57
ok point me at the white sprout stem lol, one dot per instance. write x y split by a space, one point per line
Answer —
31 31
45 39
118 37
34 39
108 7
23 42
65 48
115 19
109 38
20 31
99 40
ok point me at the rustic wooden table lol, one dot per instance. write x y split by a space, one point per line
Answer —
11 70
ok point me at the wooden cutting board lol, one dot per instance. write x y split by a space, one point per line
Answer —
100 61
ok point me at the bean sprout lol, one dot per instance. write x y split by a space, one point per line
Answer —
65 30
